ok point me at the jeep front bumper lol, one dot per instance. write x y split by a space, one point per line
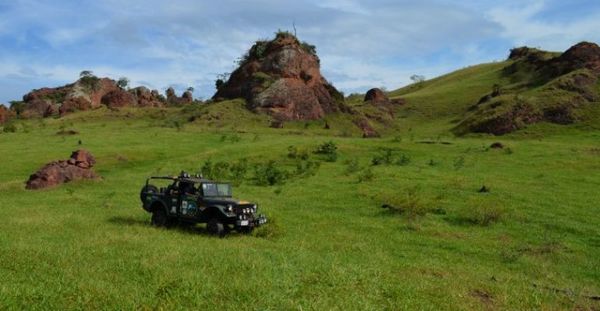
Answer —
258 221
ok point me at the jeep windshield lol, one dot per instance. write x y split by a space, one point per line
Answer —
216 190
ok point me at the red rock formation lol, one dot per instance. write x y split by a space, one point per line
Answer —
118 99
78 167
5 114
147 98
85 94
282 78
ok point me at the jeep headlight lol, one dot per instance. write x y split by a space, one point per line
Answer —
254 208
229 208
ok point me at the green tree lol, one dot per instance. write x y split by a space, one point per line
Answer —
123 82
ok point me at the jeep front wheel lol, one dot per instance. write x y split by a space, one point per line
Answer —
215 227
159 218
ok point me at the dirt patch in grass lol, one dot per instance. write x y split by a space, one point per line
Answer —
483 296
67 132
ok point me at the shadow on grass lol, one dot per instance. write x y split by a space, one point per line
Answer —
181 227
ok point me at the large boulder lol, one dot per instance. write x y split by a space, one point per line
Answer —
282 78
77 167
376 95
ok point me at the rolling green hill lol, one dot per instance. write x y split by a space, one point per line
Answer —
532 86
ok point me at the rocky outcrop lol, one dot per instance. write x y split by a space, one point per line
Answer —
282 78
5 114
584 55
146 98
173 99
87 93
77 167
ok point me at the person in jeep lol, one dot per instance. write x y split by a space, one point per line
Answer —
198 200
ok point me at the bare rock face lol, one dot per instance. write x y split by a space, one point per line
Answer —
282 78
5 114
118 99
85 94
77 167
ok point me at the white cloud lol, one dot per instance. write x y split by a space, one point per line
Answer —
187 42
523 26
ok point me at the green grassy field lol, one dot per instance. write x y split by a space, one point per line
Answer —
532 242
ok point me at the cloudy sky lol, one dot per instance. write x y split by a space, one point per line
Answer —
362 44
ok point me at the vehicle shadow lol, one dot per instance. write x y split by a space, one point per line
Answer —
183 228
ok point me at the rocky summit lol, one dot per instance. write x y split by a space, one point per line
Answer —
282 77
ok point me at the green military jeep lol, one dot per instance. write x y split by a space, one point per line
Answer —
198 200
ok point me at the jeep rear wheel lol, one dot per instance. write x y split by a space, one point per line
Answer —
160 218
215 227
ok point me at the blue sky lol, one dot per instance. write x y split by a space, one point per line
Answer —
362 44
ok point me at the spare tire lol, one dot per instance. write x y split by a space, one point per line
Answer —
148 189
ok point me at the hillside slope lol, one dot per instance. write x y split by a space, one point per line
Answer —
532 86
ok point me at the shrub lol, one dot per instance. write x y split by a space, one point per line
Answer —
307 168
329 150
366 175
268 174
238 171
207 169
408 204
352 166
220 171
383 158
270 231
309 48
403 160
294 153
459 163
10 127
482 213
